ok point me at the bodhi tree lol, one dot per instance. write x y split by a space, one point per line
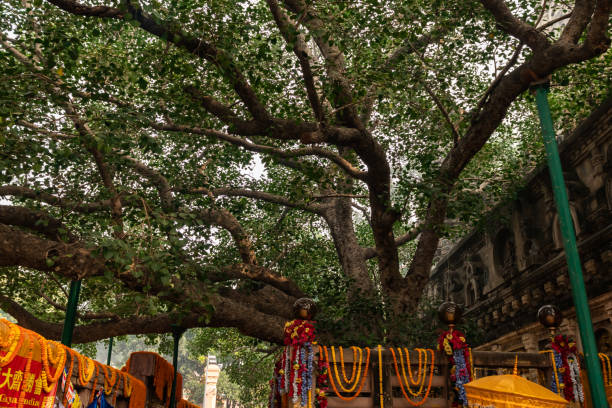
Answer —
208 163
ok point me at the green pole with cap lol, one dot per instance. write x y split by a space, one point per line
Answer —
581 303
110 351
177 332
71 311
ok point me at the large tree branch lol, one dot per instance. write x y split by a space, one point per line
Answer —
258 273
228 313
228 221
19 248
581 15
248 145
296 40
36 221
515 26
196 46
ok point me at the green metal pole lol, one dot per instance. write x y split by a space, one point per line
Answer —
579 295
71 309
177 332
110 351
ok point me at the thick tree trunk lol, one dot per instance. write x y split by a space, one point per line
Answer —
339 217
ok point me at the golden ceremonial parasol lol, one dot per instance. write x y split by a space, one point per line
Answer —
510 391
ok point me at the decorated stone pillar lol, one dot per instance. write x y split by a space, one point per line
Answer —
300 379
211 376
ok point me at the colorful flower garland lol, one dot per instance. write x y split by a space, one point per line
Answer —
566 367
452 342
322 381
294 370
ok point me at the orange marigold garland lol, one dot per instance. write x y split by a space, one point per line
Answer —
354 370
331 376
86 369
28 365
419 380
57 359
128 386
422 376
109 383
12 345
95 383
119 377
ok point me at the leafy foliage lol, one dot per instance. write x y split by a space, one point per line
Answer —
208 164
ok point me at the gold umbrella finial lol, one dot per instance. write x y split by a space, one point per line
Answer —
515 372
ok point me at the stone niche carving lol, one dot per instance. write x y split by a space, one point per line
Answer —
505 259
476 277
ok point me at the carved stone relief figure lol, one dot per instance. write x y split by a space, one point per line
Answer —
472 287
532 253
556 227
457 283
505 258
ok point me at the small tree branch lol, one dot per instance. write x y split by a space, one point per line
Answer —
259 195
156 178
38 129
419 45
80 315
41 196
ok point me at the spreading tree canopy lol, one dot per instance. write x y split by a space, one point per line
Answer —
207 163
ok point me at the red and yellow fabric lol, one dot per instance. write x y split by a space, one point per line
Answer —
29 368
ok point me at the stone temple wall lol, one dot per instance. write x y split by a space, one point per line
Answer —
505 270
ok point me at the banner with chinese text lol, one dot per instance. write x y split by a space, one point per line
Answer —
22 384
